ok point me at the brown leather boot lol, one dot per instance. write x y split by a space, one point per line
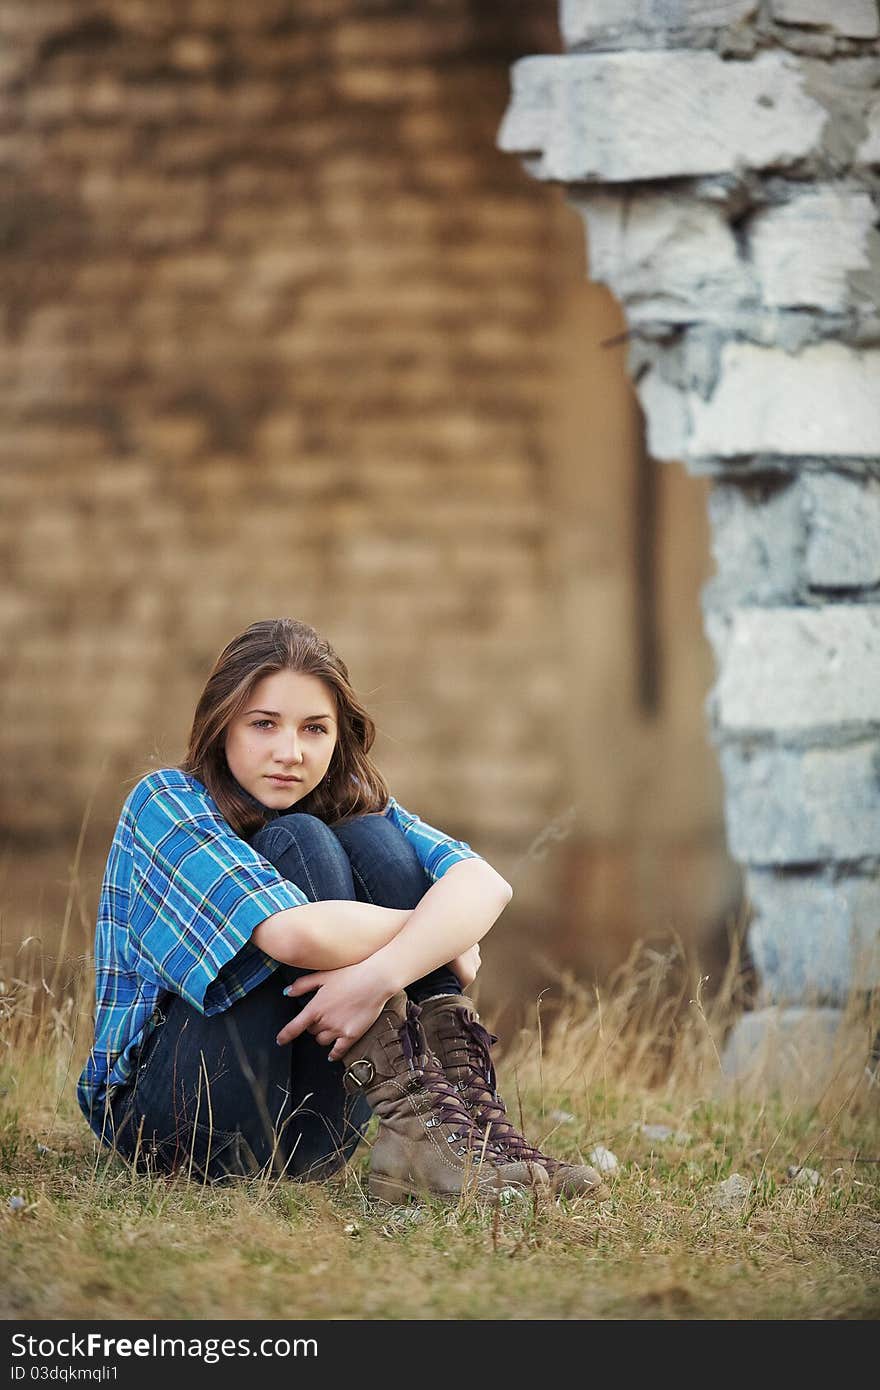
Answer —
427 1142
455 1033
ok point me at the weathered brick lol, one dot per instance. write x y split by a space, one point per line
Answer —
790 806
619 117
789 1048
856 19
869 150
658 253
612 21
804 251
842 516
757 542
768 401
814 938
793 670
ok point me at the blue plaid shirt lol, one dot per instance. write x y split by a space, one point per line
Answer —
181 895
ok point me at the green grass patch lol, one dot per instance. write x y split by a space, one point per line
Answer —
84 1237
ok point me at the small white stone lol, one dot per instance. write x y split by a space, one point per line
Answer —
409 1216
732 1193
561 1117
508 1196
604 1159
16 1204
663 1134
804 1177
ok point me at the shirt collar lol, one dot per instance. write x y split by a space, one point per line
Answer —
269 811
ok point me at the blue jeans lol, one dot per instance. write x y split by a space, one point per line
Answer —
216 1097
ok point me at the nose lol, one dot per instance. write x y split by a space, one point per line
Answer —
289 750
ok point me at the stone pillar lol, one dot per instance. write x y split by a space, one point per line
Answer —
725 156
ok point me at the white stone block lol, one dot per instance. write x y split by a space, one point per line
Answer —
842 516
615 117
856 19
812 937
757 543
668 258
868 151
795 670
592 21
791 806
805 250
787 1049
825 401
667 416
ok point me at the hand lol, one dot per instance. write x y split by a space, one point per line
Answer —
466 966
347 1002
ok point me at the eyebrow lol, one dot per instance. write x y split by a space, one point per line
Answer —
275 715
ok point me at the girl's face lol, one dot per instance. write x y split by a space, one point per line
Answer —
280 746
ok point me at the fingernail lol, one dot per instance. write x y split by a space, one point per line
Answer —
286 989
278 1042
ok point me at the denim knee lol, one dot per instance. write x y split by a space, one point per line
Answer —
308 854
385 865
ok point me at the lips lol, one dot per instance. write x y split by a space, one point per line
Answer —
274 777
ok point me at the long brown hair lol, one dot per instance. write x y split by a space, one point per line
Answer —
352 784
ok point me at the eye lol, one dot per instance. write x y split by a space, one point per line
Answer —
320 728
259 723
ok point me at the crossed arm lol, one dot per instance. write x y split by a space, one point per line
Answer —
362 954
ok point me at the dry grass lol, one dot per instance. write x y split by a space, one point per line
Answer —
87 1238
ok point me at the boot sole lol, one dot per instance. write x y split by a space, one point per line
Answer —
395 1192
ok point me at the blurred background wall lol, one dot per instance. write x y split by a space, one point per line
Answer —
283 333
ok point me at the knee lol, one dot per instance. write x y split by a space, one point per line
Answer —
307 834
377 834
305 851
384 859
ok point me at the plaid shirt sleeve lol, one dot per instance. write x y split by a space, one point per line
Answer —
436 852
197 892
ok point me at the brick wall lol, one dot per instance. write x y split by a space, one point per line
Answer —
276 341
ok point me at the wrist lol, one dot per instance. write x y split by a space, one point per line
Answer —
387 972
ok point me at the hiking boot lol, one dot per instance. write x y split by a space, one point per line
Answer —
427 1141
454 1032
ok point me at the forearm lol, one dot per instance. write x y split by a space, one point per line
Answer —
455 913
328 935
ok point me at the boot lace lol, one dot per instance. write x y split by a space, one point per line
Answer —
428 1076
481 1094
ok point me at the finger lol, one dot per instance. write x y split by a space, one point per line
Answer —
304 984
303 1020
339 1048
326 1036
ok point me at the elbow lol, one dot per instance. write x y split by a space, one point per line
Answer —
301 947
501 888
290 941
505 892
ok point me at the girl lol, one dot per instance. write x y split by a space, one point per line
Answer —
281 950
